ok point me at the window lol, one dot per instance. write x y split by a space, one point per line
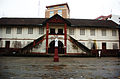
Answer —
30 30
61 6
41 30
19 30
8 30
92 32
71 31
103 32
104 46
1 43
60 31
51 13
51 7
82 31
114 33
115 46
60 12
7 44
52 31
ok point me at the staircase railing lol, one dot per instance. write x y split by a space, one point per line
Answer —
29 47
81 46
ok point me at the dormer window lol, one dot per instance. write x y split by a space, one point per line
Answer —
60 31
52 31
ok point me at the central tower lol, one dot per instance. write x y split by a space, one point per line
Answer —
60 9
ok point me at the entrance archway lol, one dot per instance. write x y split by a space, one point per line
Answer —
51 48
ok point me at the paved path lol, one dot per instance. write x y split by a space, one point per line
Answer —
67 68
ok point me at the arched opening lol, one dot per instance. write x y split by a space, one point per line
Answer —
51 49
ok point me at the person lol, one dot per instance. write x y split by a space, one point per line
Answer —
99 54
56 42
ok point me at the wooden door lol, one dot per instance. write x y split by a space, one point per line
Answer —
103 46
7 44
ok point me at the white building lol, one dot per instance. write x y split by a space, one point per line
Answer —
76 36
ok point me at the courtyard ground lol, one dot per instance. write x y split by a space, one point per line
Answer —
66 68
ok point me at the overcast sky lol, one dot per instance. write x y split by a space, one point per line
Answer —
83 9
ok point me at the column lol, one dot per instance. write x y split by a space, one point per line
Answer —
65 38
47 33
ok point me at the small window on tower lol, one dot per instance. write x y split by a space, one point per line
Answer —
51 13
52 8
61 6
60 12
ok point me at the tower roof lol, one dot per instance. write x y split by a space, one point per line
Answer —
58 5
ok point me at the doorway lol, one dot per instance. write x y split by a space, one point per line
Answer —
103 46
51 49
7 44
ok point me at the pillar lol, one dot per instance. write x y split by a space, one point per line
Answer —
65 38
56 58
47 33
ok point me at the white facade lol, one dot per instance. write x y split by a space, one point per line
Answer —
86 39
24 38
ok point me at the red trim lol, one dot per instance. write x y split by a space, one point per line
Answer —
38 42
56 58
104 17
47 32
65 37
41 40
34 43
56 20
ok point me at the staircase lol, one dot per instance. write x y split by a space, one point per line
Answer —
28 48
81 46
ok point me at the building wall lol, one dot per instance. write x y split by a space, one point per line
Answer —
72 48
24 38
86 39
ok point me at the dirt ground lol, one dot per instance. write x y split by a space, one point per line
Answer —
66 68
